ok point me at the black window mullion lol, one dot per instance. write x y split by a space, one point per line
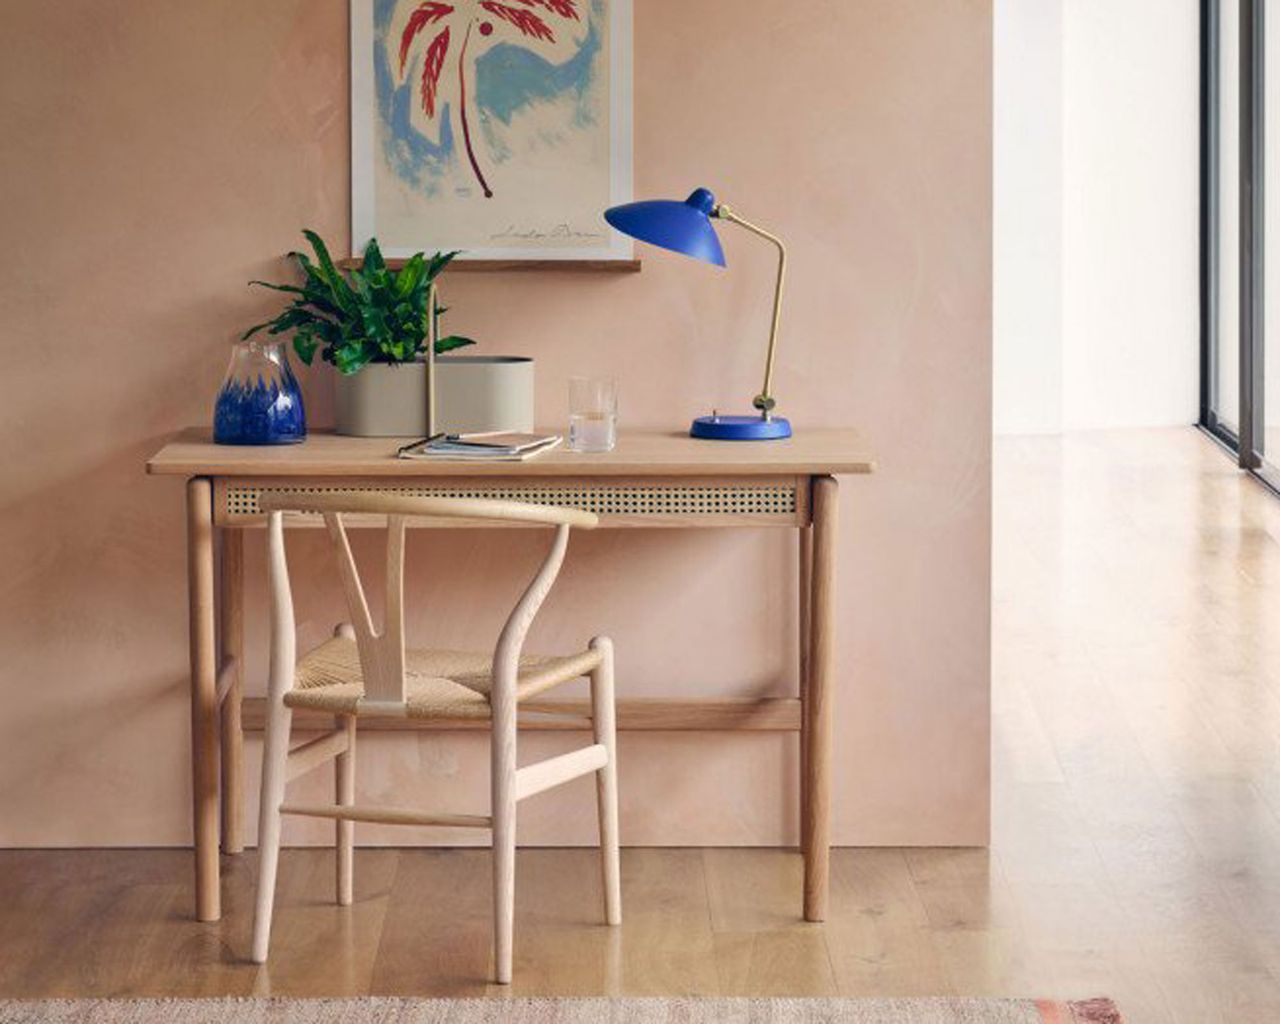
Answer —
1209 269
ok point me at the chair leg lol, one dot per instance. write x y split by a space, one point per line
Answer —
275 754
504 890
604 723
503 810
345 793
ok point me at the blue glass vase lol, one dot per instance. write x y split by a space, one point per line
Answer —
260 402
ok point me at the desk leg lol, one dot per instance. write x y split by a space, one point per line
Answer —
231 610
806 631
818 706
204 696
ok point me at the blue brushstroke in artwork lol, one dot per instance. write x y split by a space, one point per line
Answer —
414 157
509 77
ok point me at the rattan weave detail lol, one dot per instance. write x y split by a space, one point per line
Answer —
601 498
438 683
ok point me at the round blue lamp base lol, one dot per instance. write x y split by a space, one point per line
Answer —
740 428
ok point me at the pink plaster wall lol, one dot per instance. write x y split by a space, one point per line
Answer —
157 155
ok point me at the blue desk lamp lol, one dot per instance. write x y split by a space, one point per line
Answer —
686 227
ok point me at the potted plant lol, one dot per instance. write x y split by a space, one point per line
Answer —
372 325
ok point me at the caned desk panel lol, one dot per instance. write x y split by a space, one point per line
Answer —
641 501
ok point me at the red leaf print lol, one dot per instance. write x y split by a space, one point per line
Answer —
453 21
526 21
564 8
431 66
425 14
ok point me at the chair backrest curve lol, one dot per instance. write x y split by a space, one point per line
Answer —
372 503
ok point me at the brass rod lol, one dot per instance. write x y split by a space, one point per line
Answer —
764 401
433 331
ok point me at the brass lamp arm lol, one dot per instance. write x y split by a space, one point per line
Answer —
764 401
433 335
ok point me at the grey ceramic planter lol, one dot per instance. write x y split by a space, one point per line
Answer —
382 401
478 393
473 393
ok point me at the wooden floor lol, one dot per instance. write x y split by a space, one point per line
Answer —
1136 847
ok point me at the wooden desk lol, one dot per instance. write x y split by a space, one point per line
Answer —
650 479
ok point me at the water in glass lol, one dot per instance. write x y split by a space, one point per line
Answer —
593 414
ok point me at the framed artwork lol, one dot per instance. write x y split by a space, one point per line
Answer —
498 127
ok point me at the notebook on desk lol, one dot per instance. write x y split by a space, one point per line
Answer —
494 446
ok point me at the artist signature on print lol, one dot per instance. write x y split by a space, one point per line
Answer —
558 232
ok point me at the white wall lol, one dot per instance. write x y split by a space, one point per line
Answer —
1027 216
1130 212
1112 342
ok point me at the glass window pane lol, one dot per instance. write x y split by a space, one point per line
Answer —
1270 440
1226 397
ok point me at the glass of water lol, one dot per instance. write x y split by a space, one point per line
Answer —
593 414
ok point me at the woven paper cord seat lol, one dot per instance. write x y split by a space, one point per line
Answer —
438 683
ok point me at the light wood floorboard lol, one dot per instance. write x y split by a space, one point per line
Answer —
1136 815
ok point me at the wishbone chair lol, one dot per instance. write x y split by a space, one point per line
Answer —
364 672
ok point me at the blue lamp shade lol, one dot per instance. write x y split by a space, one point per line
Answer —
681 227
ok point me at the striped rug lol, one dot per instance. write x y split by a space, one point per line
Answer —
685 1010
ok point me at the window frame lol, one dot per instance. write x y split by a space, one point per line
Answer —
1247 442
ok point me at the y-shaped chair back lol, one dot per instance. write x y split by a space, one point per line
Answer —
382 653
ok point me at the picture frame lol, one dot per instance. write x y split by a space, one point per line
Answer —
501 128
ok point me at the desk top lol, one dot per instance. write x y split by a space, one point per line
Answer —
638 453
